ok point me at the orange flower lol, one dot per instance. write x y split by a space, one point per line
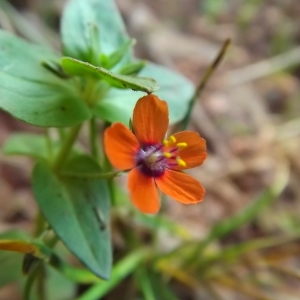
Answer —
154 161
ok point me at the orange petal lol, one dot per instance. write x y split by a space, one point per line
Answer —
143 192
120 146
195 152
181 187
150 119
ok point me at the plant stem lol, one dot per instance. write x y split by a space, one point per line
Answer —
39 224
107 167
111 185
106 175
38 272
62 134
30 280
93 139
41 280
209 71
49 144
66 147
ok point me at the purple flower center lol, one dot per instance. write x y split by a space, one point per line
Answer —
153 160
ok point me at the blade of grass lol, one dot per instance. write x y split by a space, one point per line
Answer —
232 253
245 216
122 269
80 275
208 73
287 272
168 268
191 251
145 284
160 284
243 288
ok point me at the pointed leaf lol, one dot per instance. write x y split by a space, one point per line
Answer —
76 67
78 211
76 35
32 93
133 68
115 57
117 106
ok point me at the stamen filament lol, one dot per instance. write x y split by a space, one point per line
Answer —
173 150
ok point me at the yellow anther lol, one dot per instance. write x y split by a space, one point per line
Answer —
165 142
167 154
172 139
180 162
181 145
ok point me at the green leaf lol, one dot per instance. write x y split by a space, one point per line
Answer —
79 68
57 286
133 68
76 35
94 44
24 26
114 58
30 92
10 260
117 106
78 211
34 146
27 144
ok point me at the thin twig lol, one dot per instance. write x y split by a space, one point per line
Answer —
208 73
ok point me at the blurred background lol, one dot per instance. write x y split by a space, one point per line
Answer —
243 240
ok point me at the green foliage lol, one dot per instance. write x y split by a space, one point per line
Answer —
94 78
115 52
31 145
76 67
126 266
77 37
78 211
30 92
10 260
133 68
109 61
117 105
58 286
